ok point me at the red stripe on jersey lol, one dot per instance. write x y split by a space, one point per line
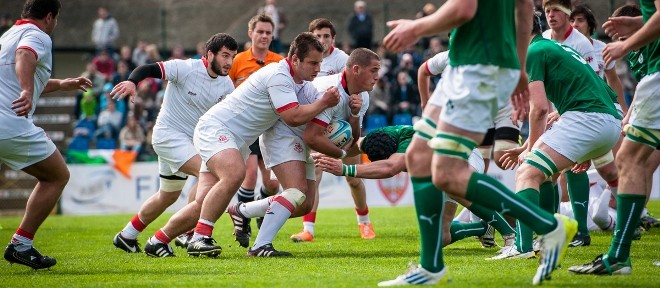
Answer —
320 122
288 205
162 70
344 84
568 33
332 49
290 67
287 107
426 65
31 50
206 62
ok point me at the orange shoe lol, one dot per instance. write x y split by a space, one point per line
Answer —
367 231
303 236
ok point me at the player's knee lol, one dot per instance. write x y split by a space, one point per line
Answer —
528 173
354 183
169 197
294 196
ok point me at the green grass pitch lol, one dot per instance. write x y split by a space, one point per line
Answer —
86 257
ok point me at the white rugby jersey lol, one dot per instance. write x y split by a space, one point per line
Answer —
25 34
189 94
342 110
334 63
580 43
255 105
598 49
437 63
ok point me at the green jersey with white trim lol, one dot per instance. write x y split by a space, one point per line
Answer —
570 83
652 53
488 39
402 134
637 64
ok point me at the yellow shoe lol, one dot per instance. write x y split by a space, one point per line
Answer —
303 236
367 231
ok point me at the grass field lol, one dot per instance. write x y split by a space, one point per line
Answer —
338 258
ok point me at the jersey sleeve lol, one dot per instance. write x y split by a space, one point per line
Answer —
588 53
36 42
176 70
536 59
282 93
437 63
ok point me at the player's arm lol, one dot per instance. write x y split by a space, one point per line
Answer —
355 104
648 33
301 114
538 111
524 12
314 138
375 170
67 84
26 65
128 87
450 15
423 83
615 83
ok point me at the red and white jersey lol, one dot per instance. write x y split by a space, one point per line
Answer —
342 110
189 94
255 105
437 63
24 34
598 48
579 43
334 63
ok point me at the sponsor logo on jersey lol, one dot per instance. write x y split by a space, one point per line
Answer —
298 147
192 93
223 138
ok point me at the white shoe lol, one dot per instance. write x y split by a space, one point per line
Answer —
417 275
553 247
509 241
510 252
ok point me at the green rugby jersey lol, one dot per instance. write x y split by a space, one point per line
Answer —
402 134
636 62
652 53
488 39
570 83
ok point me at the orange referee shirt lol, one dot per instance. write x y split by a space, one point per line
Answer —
245 64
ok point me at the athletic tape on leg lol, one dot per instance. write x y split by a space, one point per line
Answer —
642 135
603 160
171 185
542 162
425 128
452 145
294 196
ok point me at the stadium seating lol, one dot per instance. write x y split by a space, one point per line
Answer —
375 121
402 119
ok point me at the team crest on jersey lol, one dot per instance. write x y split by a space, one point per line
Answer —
221 98
223 138
192 93
298 147
393 188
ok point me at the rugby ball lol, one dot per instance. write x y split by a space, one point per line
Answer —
339 132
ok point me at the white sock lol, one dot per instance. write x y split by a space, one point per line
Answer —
129 231
309 227
154 240
255 208
21 244
600 214
278 212
363 219
463 216
197 236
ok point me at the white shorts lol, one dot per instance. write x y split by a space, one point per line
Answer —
173 149
280 144
212 137
619 110
581 136
503 117
25 150
646 104
472 95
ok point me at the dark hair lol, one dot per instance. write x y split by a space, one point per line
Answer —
217 41
627 10
537 23
321 23
303 44
586 12
39 9
260 18
361 57
378 145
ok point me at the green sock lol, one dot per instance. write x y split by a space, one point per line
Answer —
486 191
557 198
578 191
524 234
492 218
429 204
461 231
629 209
547 197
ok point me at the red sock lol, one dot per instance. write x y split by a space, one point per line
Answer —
310 217
204 229
24 233
362 212
137 223
162 237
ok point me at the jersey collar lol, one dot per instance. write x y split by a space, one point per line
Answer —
568 33
26 21
290 67
205 62
344 84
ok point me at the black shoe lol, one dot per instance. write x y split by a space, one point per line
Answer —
183 240
31 258
580 240
128 245
647 222
637 234
267 251
158 250
242 230
602 266
204 246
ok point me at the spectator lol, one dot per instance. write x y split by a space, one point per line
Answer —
435 47
404 95
279 22
386 62
153 55
360 26
88 106
104 64
105 31
379 99
428 9
140 53
131 136
5 23
126 55
122 73
109 121
406 65
200 48
97 78
178 52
